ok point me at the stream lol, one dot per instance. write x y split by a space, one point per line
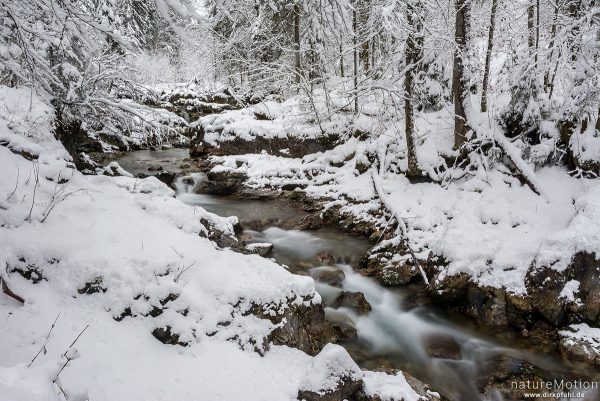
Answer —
450 353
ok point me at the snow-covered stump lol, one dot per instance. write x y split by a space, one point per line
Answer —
333 376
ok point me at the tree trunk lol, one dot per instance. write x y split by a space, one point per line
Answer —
488 57
341 61
297 60
530 26
551 47
458 84
410 56
355 46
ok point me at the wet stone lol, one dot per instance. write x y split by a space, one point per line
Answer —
353 300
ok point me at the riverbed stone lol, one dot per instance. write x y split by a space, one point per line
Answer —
325 258
333 376
262 249
353 300
442 346
310 222
167 177
329 275
545 286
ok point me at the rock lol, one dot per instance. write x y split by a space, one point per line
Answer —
385 266
442 346
487 305
167 177
328 275
156 167
392 385
581 348
333 376
545 287
113 169
297 147
165 336
353 300
300 326
310 222
77 142
292 186
221 183
92 287
261 249
325 258
342 324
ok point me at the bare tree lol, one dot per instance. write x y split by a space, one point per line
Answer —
463 8
411 54
488 56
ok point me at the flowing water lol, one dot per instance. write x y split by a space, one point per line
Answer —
456 359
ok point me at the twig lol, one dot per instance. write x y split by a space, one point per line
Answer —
16 185
6 290
36 169
45 342
69 359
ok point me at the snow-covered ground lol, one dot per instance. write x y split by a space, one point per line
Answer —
112 259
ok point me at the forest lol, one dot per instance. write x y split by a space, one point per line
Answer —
287 200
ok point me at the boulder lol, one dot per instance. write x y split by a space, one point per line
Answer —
569 296
442 346
333 376
352 300
310 222
167 177
581 343
325 258
328 275
262 248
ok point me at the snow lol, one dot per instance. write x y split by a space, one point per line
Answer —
583 336
389 387
330 367
569 290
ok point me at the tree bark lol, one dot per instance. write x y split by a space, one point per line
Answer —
551 47
488 57
341 61
411 58
458 84
530 26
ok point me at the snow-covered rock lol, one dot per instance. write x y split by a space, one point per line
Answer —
333 376
580 342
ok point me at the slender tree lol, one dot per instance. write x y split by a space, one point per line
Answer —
458 76
297 56
355 54
488 56
411 54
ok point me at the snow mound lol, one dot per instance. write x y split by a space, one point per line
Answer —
330 369
389 387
